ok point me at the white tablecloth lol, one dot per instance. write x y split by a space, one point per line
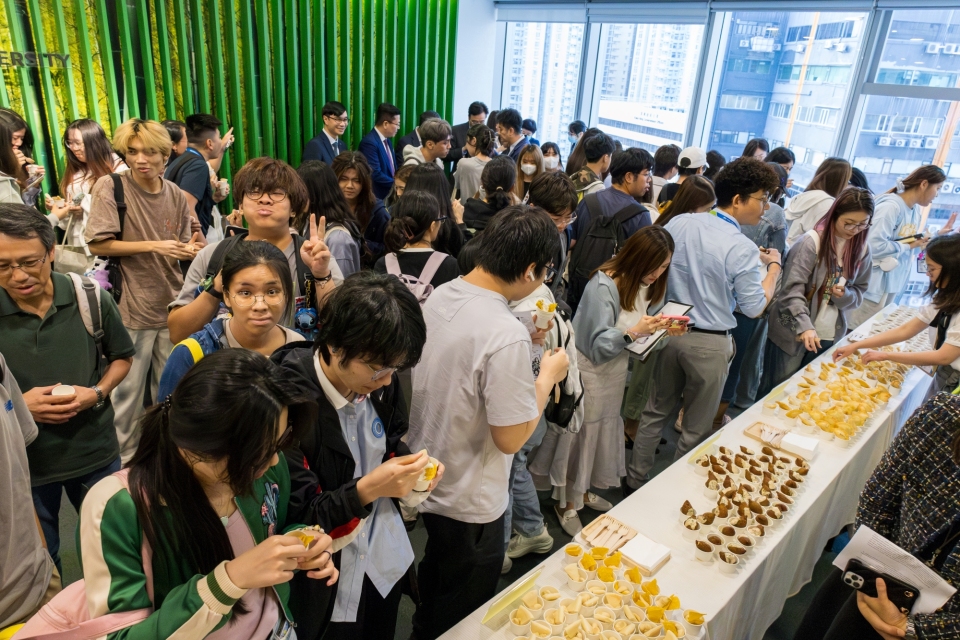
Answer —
744 605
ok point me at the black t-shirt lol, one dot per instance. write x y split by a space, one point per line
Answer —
668 192
477 213
413 262
194 178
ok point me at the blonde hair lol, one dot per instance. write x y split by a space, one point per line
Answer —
529 150
151 134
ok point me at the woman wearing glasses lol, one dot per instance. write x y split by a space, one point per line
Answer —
256 291
825 275
941 317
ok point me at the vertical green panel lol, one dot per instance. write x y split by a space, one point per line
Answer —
183 54
367 69
220 107
146 55
86 59
70 93
4 96
166 69
197 24
279 78
49 103
250 121
423 54
319 21
237 119
128 70
400 54
106 61
266 89
295 133
306 71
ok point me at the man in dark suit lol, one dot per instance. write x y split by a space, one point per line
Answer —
327 145
413 138
377 148
509 128
476 114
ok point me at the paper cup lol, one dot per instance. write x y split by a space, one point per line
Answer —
63 390
586 610
541 319
519 629
573 552
577 585
610 634
424 482
701 552
729 568
692 629
550 596
555 618
614 602
568 618
598 584
613 617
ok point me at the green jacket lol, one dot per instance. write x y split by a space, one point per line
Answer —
187 604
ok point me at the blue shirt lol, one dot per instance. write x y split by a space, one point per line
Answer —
715 268
382 551
611 202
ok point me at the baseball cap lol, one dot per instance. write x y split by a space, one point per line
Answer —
692 158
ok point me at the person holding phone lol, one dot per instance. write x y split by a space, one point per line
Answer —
825 276
941 318
911 500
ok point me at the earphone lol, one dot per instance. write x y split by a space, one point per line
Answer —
530 275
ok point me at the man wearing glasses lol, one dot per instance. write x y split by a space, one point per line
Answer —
46 345
716 269
327 145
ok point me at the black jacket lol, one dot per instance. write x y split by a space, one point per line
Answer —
477 213
323 490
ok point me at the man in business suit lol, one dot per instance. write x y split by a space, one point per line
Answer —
476 114
509 125
413 139
377 148
328 145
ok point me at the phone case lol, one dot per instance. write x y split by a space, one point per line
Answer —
864 579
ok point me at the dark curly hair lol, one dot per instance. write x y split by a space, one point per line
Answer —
743 177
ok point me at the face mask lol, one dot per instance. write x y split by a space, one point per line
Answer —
551 162
572 139
528 169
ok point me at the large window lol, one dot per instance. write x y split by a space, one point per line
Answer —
799 106
646 74
541 75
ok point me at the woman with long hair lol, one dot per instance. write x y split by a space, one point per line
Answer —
552 161
257 291
481 143
825 275
429 178
612 312
715 162
12 174
326 199
207 490
356 183
399 184
695 195
578 157
807 209
757 148
529 166
22 144
941 316
497 180
414 225
898 216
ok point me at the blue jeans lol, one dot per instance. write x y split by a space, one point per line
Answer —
46 500
523 510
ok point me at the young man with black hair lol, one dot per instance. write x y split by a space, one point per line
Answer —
350 468
554 193
630 175
475 404
509 128
377 148
529 129
575 131
691 162
598 151
327 145
435 135
664 167
414 138
191 172
476 114
716 269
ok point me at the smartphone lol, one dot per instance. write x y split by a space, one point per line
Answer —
915 236
678 320
864 579
33 183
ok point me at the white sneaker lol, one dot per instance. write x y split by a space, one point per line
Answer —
597 503
507 564
569 521
520 545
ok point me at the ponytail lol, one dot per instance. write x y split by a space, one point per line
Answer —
498 178
411 219
929 172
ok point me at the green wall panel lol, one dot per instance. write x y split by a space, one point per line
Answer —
265 67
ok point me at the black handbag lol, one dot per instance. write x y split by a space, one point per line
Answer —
114 276
562 405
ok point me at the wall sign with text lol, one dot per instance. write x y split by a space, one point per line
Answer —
33 59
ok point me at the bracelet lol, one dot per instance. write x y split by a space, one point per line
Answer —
774 263
100 398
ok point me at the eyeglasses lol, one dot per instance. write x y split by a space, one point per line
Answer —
27 266
765 199
551 274
848 226
277 195
286 439
442 218
74 145
245 299
568 219
379 373
343 120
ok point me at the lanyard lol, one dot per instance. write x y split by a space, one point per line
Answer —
189 149
725 217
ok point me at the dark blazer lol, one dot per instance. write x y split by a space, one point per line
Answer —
379 161
456 148
515 154
319 148
409 140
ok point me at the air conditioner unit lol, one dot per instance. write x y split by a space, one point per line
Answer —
916 143
828 45
883 141
842 47
950 49
776 47
931 143
900 143
801 48
933 47
956 189
744 43
947 187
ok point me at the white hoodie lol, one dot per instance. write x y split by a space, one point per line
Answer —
414 155
805 211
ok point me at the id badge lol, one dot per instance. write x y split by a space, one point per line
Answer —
283 631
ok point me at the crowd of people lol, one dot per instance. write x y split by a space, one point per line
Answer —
205 384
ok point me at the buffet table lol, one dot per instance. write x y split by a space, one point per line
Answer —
743 605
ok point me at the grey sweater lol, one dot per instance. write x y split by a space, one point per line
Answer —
791 313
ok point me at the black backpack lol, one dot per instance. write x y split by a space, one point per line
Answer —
602 240
114 276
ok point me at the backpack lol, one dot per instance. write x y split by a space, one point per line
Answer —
562 405
87 291
66 616
420 285
111 264
602 240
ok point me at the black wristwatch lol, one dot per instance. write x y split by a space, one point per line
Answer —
208 286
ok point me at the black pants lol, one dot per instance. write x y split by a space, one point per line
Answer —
833 614
459 571
376 616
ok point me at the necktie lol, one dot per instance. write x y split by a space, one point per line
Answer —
386 145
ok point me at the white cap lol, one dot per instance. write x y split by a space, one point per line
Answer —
692 158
